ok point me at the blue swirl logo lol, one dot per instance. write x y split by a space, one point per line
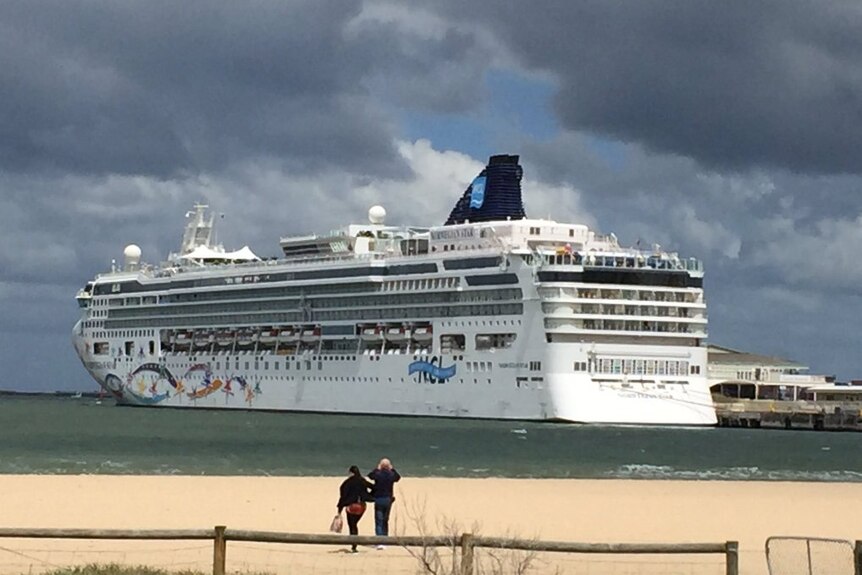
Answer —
430 368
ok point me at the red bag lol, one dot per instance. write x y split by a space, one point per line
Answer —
357 508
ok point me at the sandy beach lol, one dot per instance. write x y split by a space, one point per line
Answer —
608 511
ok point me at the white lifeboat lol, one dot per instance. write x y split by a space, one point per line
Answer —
246 337
268 335
423 333
310 334
288 335
396 333
183 338
203 339
224 338
371 333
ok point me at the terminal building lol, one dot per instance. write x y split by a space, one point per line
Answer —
741 375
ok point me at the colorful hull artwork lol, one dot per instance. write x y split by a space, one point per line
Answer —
152 383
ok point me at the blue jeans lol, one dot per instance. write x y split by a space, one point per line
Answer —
382 507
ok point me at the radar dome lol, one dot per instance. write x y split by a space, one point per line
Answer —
131 257
377 214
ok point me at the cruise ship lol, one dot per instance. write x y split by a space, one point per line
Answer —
491 315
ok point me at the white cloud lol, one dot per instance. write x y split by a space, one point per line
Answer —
707 236
825 255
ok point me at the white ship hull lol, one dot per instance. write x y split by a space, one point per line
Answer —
497 385
502 317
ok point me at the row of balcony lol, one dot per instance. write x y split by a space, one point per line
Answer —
566 294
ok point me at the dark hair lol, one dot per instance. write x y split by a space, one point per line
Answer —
355 470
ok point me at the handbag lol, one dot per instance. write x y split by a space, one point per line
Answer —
357 508
337 524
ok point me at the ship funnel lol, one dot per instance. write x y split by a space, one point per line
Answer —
131 258
494 195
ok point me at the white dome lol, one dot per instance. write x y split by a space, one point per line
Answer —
132 252
377 214
131 257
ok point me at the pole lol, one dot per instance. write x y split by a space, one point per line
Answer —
732 558
857 558
467 554
219 550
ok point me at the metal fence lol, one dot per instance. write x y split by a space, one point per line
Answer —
813 556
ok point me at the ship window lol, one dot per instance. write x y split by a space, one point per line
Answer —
101 348
494 341
450 343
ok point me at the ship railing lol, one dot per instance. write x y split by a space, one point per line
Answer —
627 261
168 269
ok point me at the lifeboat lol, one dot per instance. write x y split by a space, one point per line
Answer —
203 339
310 334
246 337
224 338
370 332
396 333
423 333
288 335
268 335
183 339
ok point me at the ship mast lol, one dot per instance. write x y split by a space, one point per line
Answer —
198 231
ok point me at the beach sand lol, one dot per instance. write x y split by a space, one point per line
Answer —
604 511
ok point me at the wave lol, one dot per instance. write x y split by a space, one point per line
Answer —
647 471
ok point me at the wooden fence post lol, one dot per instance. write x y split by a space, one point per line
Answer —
467 554
731 554
219 550
857 557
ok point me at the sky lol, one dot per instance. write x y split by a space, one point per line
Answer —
727 131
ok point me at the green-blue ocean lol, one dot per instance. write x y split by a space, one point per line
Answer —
85 436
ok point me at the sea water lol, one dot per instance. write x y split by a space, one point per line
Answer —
81 435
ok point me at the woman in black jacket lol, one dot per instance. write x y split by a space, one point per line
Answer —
354 492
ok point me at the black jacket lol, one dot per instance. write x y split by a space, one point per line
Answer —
353 490
384 481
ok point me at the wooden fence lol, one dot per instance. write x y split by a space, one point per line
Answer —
467 543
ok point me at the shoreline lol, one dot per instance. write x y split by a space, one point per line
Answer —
577 510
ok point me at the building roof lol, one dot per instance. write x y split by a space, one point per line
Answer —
854 389
726 356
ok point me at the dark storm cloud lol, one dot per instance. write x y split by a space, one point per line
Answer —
167 88
732 84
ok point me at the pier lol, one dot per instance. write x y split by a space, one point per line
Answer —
809 415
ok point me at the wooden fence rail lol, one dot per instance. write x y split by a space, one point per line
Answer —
467 543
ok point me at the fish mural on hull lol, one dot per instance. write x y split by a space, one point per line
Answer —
150 390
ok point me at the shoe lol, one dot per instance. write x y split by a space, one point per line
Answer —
354 551
380 547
